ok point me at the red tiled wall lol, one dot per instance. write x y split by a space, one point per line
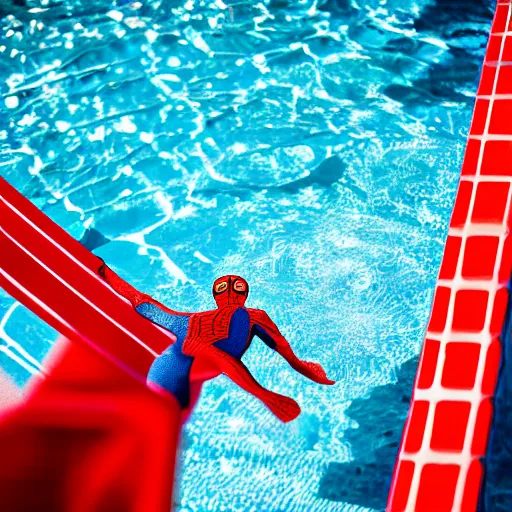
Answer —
438 467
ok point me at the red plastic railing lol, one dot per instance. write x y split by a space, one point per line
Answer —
88 434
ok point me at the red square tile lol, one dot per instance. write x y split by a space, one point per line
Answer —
428 364
460 210
501 118
486 80
460 365
500 19
437 488
480 257
439 309
416 427
479 117
450 422
402 486
504 85
505 271
471 157
470 309
490 203
493 49
497 158
499 310
472 487
507 50
450 258
482 426
492 366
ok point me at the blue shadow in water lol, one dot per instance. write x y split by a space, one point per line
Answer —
365 480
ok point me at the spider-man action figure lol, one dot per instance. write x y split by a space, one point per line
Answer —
213 342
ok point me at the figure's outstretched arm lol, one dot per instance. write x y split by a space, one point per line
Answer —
267 330
120 286
285 408
127 291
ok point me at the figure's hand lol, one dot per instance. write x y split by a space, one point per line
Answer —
102 269
313 371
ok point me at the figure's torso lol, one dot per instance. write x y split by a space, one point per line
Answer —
228 328
238 338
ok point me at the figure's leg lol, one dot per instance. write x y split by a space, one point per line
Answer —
202 370
171 371
177 324
285 408
195 392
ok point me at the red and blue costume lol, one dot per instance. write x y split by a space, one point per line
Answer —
213 342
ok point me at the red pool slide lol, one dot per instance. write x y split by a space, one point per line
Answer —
87 434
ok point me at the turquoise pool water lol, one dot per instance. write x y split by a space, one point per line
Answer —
312 147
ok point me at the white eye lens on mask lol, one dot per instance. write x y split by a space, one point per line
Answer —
221 287
239 286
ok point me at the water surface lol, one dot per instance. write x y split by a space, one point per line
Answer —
312 146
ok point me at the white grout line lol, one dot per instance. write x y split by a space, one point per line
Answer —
457 283
491 136
497 96
487 178
442 393
489 230
435 391
459 337
440 458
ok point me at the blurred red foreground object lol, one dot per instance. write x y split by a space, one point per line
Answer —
9 392
88 435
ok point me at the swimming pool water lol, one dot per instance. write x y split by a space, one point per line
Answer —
311 146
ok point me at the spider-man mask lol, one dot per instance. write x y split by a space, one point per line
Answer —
230 290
